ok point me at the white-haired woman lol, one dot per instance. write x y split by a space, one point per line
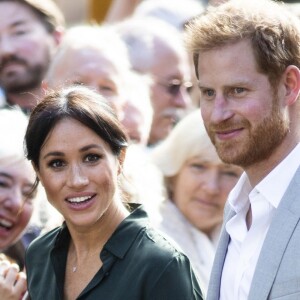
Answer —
197 184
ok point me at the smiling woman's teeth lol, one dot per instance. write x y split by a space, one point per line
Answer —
79 199
5 223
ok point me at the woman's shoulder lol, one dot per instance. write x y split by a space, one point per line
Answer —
45 240
159 246
163 266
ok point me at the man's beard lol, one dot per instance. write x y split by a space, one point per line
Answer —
18 82
260 143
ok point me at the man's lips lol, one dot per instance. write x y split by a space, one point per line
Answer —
9 67
228 134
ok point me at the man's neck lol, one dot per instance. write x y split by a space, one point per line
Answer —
261 169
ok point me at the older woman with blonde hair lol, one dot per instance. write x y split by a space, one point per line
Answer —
197 184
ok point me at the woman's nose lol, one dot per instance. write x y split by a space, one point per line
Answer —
13 199
77 177
212 183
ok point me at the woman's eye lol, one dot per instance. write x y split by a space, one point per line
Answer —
29 194
198 166
3 184
56 164
92 157
230 173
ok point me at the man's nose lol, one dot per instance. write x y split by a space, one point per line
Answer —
182 99
6 46
221 110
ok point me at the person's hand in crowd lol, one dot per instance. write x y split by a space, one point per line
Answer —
13 284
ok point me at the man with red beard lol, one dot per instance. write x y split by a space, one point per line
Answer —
247 60
29 33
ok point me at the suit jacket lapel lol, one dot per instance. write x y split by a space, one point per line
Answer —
280 231
216 273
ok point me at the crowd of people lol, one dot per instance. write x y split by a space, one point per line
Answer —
153 155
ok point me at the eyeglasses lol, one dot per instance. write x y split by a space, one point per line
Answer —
173 87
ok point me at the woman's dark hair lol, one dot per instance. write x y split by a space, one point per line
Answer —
78 103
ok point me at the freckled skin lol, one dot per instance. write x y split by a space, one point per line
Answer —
67 170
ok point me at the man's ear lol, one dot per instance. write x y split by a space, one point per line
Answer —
292 84
44 86
121 159
58 34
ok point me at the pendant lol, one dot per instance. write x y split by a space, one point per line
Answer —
74 269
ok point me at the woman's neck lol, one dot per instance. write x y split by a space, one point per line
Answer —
93 238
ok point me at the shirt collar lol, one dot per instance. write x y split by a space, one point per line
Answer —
238 197
283 174
123 237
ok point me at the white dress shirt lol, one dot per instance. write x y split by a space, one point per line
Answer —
245 245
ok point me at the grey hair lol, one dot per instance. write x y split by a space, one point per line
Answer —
142 36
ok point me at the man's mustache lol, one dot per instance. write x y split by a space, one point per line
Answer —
11 59
228 125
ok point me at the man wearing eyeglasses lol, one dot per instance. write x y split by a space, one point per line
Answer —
155 48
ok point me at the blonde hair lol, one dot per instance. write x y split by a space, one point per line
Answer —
186 140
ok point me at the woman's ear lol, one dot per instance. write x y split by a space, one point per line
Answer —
121 159
292 84
36 172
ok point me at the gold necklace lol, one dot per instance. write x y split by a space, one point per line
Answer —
74 269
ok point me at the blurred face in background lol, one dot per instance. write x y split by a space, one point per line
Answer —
200 190
134 122
16 201
25 48
170 92
89 67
